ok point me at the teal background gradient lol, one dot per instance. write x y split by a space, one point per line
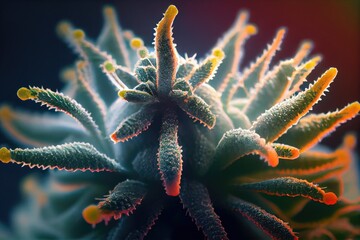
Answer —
31 53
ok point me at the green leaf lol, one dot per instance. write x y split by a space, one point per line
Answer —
95 58
60 102
37 130
207 69
270 90
197 109
169 155
231 44
138 225
239 142
239 119
312 166
286 151
126 76
134 124
290 187
70 157
145 69
136 96
166 55
195 198
256 71
123 199
111 39
145 164
186 67
278 119
270 224
88 98
313 128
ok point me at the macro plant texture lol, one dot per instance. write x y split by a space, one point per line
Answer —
184 139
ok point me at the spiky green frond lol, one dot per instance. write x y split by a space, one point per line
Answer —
70 156
195 198
278 119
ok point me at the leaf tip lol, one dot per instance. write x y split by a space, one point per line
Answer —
5 155
92 214
251 29
349 141
5 112
172 11
330 198
78 34
24 94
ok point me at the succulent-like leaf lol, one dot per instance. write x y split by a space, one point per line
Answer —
134 124
239 118
239 142
186 67
311 129
270 224
197 109
70 157
166 55
123 199
169 155
111 39
37 130
206 71
126 76
95 57
231 44
299 76
312 166
285 151
303 51
183 85
145 69
257 70
195 198
88 98
60 102
136 96
146 165
137 225
270 91
278 119
290 187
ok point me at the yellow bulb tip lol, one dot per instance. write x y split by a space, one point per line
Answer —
109 67
143 52
122 94
218 53
63 28
136 43
24 94
92 214
350 141
5 155
251 29
108 11
172 11
78 34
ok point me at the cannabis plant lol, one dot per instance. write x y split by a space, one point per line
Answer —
233 149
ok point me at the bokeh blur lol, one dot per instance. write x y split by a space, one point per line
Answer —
32 54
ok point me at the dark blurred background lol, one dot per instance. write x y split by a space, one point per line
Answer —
31 53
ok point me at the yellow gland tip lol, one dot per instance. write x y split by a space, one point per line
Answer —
24 94
5 155
136 43
92 214
218 53
122 94
171 11
68 75
108 11
109 67
251 29
78 34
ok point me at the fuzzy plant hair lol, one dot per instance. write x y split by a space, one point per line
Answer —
234 150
